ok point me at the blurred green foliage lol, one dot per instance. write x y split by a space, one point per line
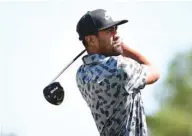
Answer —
175 116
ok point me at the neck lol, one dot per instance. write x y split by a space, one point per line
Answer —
93 51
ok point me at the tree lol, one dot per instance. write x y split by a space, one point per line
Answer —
175 116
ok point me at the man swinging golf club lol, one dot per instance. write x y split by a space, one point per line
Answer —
112 76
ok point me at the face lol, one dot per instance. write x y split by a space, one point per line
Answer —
109 42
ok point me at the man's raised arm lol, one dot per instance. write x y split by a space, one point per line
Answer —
152 72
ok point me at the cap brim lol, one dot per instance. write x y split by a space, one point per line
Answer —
115 23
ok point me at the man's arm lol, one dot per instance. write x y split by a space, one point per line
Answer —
152 72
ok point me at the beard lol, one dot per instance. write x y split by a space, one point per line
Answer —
110 48
117 49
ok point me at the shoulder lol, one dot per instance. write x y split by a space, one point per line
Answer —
124 62
128 66
80 71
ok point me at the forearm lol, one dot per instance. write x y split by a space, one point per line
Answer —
133 54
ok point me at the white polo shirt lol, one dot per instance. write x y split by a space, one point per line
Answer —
111 87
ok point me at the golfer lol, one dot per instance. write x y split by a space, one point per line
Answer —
112 76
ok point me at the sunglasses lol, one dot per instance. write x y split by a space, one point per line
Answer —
111 29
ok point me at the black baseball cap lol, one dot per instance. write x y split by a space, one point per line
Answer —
94 21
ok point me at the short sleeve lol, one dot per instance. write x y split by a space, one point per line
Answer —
134 74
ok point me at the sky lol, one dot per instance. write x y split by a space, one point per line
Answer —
38 38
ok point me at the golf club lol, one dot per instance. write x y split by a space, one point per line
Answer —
54 92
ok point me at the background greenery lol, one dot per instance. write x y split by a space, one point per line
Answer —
175 115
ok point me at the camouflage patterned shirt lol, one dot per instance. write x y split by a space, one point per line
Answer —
111 88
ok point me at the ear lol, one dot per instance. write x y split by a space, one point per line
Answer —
90 39
87 38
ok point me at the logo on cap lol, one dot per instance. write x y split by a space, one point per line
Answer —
107 17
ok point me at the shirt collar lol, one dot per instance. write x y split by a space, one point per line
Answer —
93 58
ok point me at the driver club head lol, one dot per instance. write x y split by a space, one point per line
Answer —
54 93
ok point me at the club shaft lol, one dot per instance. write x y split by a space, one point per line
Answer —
68 66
